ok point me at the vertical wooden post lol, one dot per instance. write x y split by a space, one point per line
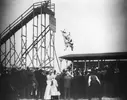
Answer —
72 68
85 68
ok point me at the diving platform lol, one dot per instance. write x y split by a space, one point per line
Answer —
36 9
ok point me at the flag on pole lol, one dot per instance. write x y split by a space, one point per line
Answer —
67 40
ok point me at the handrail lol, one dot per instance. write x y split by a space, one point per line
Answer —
21 17
16 20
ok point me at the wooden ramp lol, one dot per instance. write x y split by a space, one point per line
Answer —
29 14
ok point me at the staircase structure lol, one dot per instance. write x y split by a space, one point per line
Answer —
40 51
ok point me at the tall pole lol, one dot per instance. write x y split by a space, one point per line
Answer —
85 68
72 68
41 36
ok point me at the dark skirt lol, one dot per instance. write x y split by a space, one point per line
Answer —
54 97
94 90
108 89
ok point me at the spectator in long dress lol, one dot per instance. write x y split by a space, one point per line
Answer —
94 86
47 94
55 94
108 82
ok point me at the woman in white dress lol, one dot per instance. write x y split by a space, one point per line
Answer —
54 85
54 90
47 94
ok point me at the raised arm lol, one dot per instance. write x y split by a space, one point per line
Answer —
98 80
89 80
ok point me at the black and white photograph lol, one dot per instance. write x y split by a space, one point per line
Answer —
63 49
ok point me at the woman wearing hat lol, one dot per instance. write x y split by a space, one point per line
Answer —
47 94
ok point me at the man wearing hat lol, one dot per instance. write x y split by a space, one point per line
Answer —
67 84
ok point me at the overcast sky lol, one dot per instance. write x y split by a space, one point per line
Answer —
95 25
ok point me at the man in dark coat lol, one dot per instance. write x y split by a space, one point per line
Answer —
67 85
94 85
